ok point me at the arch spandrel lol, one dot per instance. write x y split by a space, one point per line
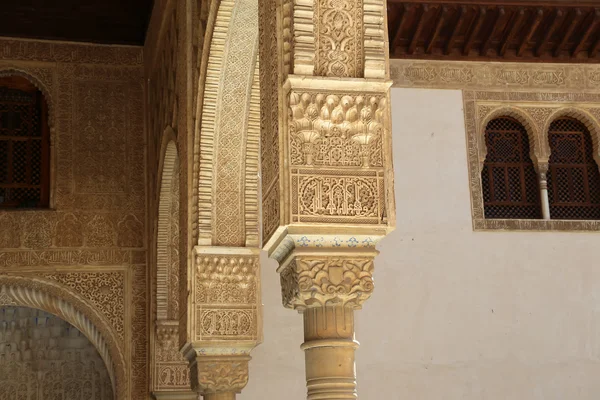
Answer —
61 302
585 118
537 152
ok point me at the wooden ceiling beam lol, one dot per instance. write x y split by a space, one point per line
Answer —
588 32
595 48
567 36
557 18
486 46
513 30
398 34
420 24
462 12
475 31
536 22
438 27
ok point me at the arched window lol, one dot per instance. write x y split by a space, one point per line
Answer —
510 184
24 145
573 176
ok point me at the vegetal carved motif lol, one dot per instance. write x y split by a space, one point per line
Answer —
336 130
227 296
221 374
339 38
319 281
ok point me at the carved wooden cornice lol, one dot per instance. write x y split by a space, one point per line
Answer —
499 30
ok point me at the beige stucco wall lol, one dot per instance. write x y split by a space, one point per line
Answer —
456 314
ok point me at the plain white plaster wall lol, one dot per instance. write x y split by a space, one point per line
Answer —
456 314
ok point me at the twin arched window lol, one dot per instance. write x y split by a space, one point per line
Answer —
511 186
24 145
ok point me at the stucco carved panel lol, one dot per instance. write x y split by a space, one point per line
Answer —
339 38
90 245
494 76
227 295
44 357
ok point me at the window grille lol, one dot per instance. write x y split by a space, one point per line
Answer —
24 145
573 176
509 181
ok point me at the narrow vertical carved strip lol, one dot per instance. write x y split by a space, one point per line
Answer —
376 40
304 37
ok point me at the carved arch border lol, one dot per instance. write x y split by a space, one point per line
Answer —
227 131
536 149
169 165
55 299
580 115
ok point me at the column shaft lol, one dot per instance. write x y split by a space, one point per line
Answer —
544 192
329 348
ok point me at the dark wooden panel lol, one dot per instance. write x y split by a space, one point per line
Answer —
547 31
106 21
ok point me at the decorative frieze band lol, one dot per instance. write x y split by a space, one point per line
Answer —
494 76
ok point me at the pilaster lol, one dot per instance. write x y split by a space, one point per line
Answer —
225 314
326 168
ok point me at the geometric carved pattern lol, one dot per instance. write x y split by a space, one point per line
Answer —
510 184
231 125
44 357
171 371
573 178
33 293
269 104
95 103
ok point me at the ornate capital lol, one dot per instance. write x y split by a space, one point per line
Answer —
218 374
326 270
317 281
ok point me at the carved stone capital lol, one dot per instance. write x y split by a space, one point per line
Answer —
219 374
317 281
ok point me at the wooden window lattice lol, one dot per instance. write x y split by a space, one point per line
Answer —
24 145
573 176
509 181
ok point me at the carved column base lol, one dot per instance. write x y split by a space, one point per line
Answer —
329 348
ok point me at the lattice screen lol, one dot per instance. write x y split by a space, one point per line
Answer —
573 176
510 184
23 146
